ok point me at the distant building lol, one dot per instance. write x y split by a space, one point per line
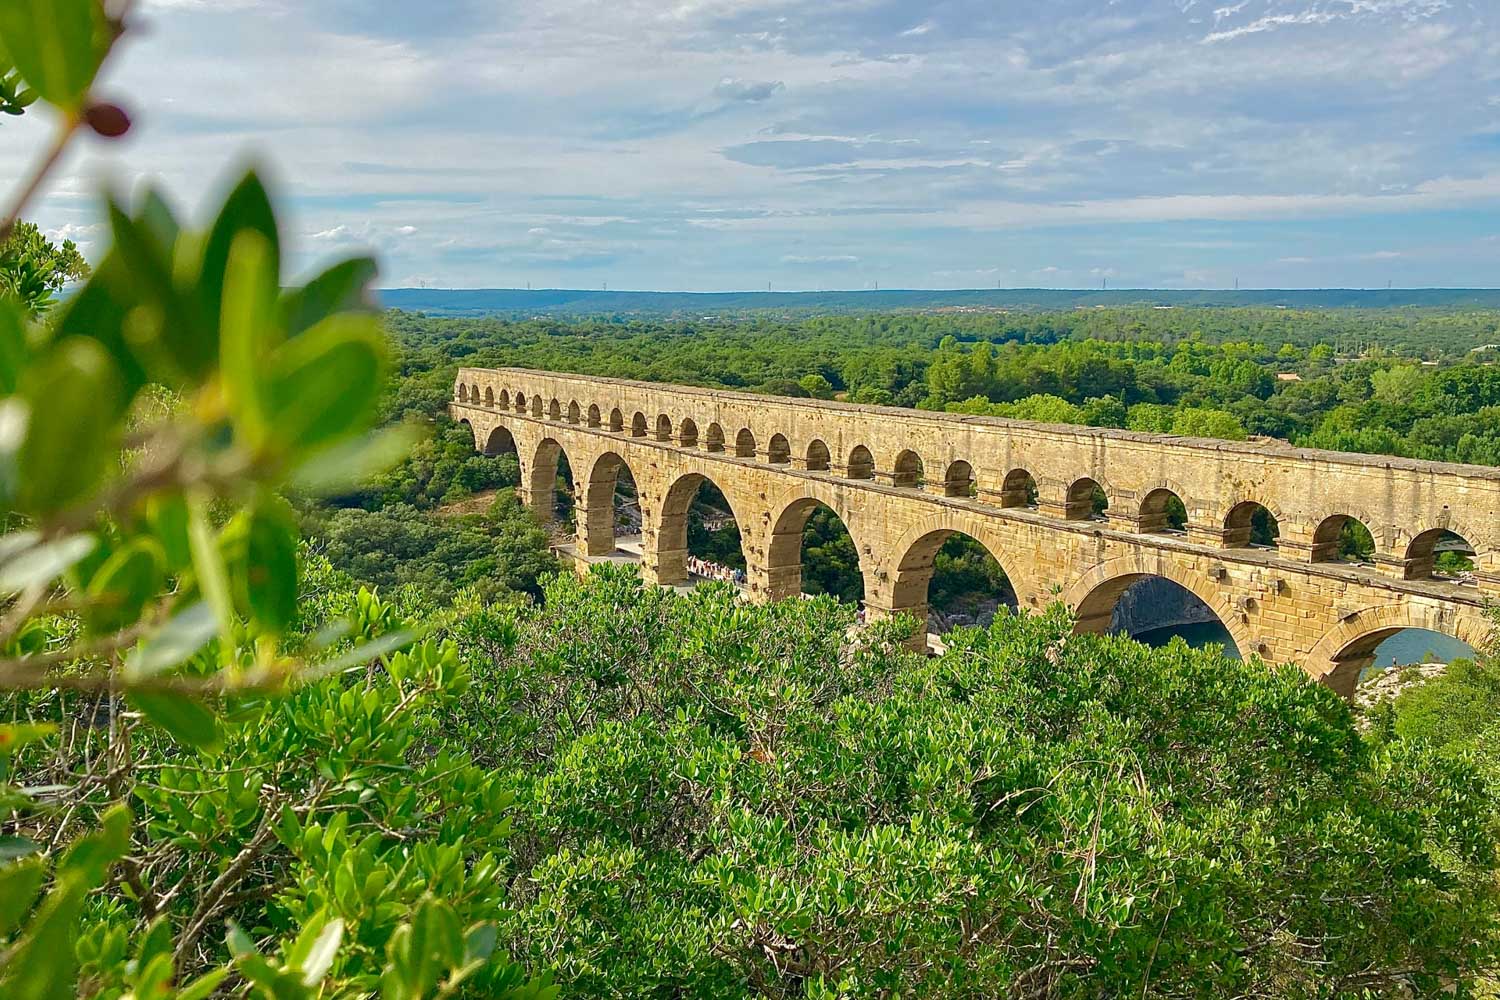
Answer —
1288 377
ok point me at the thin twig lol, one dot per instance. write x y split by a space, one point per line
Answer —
60 142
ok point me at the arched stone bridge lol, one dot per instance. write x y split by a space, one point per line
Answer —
904 480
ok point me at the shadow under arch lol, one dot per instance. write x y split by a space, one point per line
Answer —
549 461
672 543
500 442
784 549
601 517
1093 596
1348 648
920 549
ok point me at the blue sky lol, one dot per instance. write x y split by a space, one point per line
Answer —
728 144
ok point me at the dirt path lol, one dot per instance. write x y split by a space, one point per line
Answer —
477 504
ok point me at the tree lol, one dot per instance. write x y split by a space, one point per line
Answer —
1196 422
1399 384
1104 411
33 268
728 800
816 386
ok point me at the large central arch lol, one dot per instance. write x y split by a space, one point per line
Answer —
784 547
500 442
672 529
549 461
1094 595
596 515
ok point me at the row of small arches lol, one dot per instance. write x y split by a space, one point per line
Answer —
906 472
1338 538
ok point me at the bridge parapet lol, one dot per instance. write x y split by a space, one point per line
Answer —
1402 502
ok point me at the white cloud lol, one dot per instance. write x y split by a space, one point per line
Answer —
686 144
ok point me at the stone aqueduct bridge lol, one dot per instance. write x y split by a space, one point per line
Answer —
903 481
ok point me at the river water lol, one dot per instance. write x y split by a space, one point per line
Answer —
1412 645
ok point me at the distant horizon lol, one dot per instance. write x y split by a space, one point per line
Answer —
934 289
585 301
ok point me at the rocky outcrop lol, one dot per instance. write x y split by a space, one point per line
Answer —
1158 603
1384 685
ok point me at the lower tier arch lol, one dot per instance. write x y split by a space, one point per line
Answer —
1094 595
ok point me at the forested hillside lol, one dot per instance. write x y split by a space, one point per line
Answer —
1385 383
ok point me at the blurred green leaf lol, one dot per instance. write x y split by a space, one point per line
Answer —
91 856
15 735
325 384
240 944
316 958
99 311
13 848
123 586
342 287
271 564
41 564
479 942
162 323
158 218
246 210
183 635
187 720
361 655
208 564
167 515
246 332
13 349
203 987
347 465
75 397
55 45
43 965
19 885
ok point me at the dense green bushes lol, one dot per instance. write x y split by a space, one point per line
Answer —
504 549
652 794
714 799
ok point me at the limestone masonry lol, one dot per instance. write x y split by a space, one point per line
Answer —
904 480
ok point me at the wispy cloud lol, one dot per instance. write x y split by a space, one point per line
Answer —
755 91
727 143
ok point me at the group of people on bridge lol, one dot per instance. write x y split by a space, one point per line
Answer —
715 571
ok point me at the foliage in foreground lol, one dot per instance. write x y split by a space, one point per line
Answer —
152 787
325 819
721 800
651 794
